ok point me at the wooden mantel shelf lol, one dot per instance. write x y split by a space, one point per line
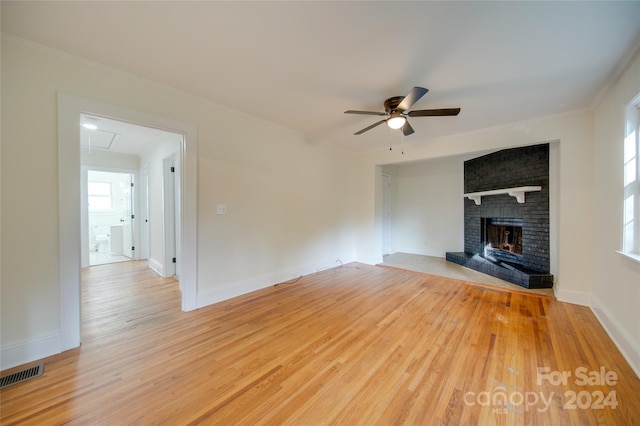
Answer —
514 192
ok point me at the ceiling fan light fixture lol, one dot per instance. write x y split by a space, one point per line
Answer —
396 121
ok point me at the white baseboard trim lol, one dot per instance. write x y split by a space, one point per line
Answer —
230 291
630 350
156 266
241 287
575 297
32 350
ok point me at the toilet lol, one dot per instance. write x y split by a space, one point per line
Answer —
102 238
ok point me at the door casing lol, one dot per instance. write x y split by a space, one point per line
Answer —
70 108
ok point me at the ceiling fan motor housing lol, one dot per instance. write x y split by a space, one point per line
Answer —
391 104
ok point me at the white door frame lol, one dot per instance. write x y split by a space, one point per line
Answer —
129 239
70 108
84 232
143 208
169 200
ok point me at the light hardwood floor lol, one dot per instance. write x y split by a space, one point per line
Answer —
442 267
353 345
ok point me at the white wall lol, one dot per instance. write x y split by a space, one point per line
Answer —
428 210
289 204
290 200
616 291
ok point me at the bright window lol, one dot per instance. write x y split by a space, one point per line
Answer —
100 196
631 169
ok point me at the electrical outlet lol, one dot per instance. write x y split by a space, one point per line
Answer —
221 209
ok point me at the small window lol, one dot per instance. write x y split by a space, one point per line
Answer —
631 180
100 198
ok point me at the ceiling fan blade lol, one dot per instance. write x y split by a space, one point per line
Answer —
412 97
365 112
407 129
434 112
370 127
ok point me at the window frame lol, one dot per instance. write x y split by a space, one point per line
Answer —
631 186
94 195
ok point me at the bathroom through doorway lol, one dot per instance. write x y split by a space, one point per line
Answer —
110 212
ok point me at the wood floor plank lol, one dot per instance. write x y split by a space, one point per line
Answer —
354 345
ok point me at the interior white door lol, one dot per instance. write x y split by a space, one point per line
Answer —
127 215
386 214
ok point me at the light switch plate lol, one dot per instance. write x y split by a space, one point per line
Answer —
221 209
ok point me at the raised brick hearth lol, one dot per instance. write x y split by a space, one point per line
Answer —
503 237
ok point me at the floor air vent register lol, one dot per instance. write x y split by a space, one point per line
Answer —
21 376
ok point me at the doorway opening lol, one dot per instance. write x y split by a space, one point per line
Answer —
71 110
119 210
110 217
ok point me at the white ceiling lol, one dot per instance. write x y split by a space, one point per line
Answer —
121 137
302 64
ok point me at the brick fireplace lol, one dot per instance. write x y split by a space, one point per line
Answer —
506 216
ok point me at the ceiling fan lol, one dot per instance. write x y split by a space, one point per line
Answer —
396 111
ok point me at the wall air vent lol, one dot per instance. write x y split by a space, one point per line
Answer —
21 376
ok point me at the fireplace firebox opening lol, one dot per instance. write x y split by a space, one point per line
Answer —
502 239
